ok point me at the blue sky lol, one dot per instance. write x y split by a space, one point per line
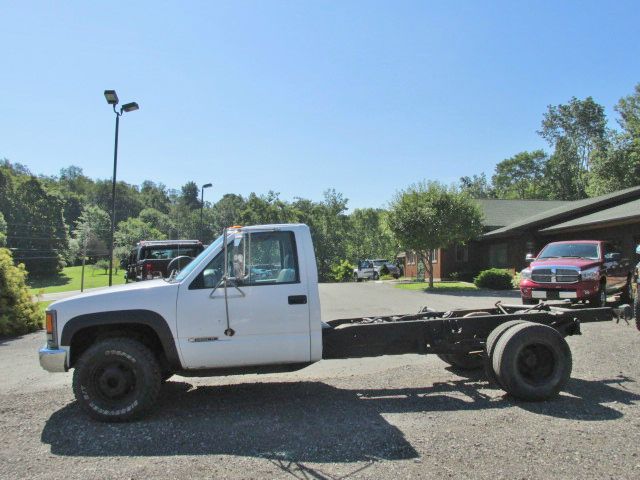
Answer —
299 96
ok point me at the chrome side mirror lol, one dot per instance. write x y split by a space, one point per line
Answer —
529 258
638 249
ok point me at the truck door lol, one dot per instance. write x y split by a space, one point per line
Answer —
267 311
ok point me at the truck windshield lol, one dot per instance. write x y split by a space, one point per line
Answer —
570 250
379 263
194 263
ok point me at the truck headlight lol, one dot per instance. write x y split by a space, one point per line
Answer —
525 274
590 274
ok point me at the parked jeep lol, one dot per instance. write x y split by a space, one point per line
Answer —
584 270
372 269
159 258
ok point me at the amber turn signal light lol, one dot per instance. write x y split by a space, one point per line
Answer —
49 322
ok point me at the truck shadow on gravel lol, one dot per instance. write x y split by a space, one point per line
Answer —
303 421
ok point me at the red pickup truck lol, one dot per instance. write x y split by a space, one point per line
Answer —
577 270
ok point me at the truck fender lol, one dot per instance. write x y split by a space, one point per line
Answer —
141 317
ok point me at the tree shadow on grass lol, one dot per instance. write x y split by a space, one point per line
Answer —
59 279
290 423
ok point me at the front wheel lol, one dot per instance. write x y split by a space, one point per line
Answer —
116 380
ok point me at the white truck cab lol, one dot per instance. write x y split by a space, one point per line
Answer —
260 307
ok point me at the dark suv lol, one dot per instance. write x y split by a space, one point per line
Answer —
159 258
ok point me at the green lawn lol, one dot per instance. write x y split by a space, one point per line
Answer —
69 279
440 286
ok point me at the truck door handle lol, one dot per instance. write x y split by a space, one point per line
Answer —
297 299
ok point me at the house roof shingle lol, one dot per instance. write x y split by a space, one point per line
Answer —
499 213
566 212
620 213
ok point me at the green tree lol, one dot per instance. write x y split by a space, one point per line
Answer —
158 220
36 231
521 176
369 236
189 196
133 230
18 313
3 231
477 186
155 196
128 201
93 232
564 177
429 215
619 166
576 131
581 123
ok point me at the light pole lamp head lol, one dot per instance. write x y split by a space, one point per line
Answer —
207 185
130 107
111 96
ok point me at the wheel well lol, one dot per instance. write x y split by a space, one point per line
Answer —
146 335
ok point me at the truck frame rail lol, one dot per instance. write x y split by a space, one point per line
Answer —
459 331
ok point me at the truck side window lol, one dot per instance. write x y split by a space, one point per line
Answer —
263 258
269 258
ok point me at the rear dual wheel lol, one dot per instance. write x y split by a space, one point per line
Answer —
530 361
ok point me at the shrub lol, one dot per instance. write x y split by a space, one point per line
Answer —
454 276
18 313
342 272
495 279
102 265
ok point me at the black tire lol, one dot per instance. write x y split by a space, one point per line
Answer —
116 380
356 277
530 301
532 361
463 361
376 276
490 345
601 299
627 293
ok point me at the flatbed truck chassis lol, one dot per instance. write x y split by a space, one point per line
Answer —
521 348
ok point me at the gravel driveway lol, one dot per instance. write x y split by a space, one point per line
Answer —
402 417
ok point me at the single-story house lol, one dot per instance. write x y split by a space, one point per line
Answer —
514 228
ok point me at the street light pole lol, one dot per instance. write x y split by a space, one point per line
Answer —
113 197
112 99
206 185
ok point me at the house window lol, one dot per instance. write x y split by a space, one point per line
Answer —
434 255
462 253
498 255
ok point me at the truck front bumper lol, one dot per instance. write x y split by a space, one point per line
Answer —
584 290
53 359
